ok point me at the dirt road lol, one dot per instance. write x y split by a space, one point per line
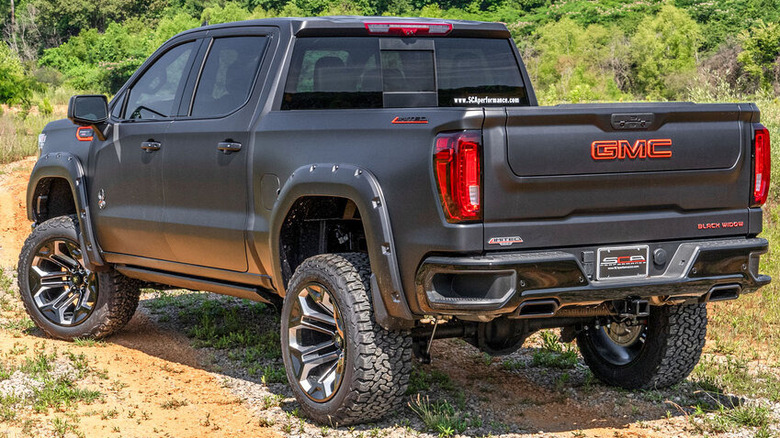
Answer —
144 366
155 383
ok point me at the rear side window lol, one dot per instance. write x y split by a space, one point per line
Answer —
333 73
478 72
330 73
228 75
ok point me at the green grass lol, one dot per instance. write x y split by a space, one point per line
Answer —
553 354
421 381
62 392
63 428
19 135
54 391
734 375
174 403
271 374
439 416
723 419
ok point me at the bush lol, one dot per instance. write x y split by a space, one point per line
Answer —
761 54
663 49
15 86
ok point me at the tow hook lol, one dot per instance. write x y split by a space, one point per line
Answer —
631 308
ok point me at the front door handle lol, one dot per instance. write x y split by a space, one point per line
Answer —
150 146
228 146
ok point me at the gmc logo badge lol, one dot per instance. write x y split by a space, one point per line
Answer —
623 149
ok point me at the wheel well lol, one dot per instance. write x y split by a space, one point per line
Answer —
319 225
53 197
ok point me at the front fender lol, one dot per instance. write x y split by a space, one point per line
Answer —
361 186
67 166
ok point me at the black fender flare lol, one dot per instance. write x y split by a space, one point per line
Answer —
361 186
67 166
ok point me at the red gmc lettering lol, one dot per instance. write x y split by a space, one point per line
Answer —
622 149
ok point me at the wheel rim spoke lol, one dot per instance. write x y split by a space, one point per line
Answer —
64 291
316 342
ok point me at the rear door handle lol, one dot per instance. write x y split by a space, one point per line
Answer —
150 146
228 146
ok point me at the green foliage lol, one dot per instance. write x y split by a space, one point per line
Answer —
104 61
578 64
724 19
576 51
224 14
15 86
439 416
761 53
664 49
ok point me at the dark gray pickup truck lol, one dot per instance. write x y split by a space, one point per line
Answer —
391 181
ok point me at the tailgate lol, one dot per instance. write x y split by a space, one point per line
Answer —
608 173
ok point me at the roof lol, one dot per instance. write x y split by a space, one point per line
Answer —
356 25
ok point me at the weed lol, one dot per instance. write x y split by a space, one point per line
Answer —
439 416
513 364
174 403
79 361
273 374
749 416
17 349
550 342
272 401
550 359
733 375
62 427
106 415
87 342
421 381
7 414
56 393
562 380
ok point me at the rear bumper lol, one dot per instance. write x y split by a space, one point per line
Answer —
510 283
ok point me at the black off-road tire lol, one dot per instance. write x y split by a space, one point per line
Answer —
378 362
117 297
673 342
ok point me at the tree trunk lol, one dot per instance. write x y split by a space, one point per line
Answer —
13 25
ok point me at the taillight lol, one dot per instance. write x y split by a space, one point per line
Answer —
409 29
457 166
762 163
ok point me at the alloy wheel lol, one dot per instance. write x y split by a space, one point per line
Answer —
317 342
63 290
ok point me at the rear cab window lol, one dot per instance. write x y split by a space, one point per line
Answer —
373 72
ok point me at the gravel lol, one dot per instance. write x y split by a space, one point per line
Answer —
273 404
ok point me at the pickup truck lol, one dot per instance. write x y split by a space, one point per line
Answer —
391 181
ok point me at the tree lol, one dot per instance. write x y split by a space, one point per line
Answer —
761 54
663 50
15 87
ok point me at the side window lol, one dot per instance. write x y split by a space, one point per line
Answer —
116 112
153 95
228 75
333 73
481 72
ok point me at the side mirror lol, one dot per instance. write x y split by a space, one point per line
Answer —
89 110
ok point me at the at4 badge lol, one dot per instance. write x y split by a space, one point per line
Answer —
505 241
